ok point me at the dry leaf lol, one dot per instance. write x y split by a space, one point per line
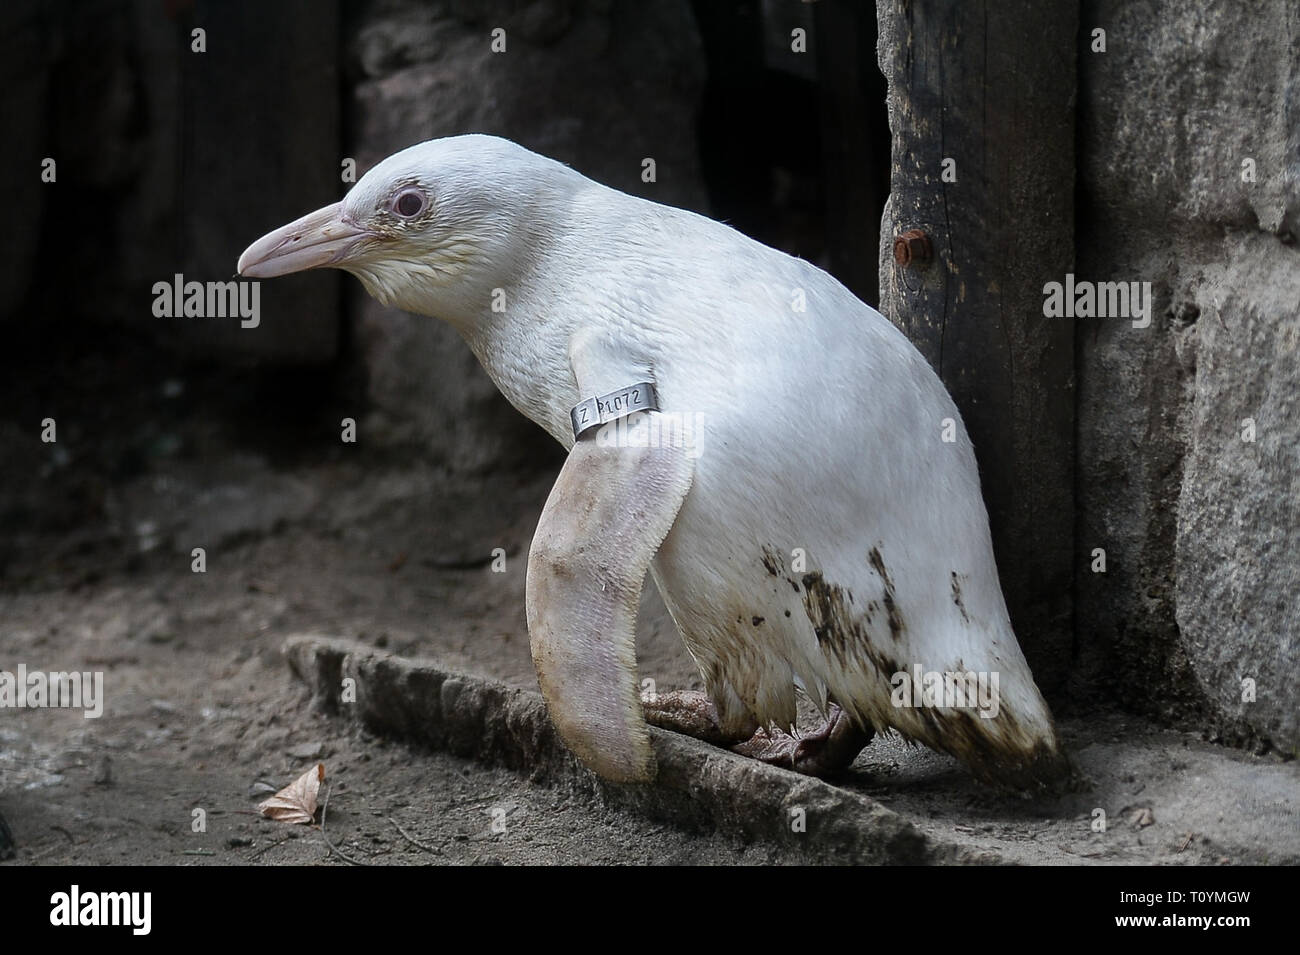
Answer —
296 803
1142 817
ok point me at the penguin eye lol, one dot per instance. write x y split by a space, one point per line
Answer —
409 203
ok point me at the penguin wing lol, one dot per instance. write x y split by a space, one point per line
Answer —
606 516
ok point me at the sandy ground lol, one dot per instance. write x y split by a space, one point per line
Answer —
202 713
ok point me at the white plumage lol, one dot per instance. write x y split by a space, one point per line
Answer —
823 437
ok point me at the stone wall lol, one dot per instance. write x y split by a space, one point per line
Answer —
1189 430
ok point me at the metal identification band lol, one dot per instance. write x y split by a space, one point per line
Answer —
593 412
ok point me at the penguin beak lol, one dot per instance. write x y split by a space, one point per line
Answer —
321 238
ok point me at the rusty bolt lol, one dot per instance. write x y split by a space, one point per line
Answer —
912 248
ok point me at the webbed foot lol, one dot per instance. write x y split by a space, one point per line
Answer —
826 751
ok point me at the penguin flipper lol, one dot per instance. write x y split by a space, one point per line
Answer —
606 516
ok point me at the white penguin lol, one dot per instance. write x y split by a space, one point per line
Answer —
785 476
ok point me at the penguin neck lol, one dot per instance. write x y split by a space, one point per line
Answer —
547 359
527 359
550 317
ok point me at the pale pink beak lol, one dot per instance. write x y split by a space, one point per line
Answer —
321 238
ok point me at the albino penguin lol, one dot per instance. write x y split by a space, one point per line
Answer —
768 447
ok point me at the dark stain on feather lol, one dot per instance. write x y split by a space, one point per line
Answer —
839 630
891 606
956 596
757 620
775 567
989 749
1001 751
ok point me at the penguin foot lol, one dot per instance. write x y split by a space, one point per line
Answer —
826 751
691 713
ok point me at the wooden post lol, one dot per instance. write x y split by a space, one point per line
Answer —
981 104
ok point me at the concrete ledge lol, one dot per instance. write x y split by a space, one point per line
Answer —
698 786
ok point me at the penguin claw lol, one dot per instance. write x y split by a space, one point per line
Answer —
773 746
826 751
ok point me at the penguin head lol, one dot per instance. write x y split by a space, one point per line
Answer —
432 229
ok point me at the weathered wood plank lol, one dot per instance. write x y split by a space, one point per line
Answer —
991 86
